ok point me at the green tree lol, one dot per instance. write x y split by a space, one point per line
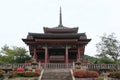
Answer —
108 47
91 59
106 60
14 54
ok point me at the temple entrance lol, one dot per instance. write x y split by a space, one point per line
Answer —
56 55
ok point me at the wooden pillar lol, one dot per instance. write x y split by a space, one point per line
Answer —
66 56
46 56
78 55
35 54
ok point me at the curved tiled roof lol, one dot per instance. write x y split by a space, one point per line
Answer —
60 30
50 35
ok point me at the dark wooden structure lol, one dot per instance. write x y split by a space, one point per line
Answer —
57 45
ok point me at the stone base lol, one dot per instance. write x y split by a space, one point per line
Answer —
6 76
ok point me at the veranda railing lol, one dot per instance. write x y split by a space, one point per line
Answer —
63 65
56 65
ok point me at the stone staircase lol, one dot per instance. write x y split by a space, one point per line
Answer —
56 74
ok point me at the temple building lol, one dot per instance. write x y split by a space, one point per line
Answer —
58 44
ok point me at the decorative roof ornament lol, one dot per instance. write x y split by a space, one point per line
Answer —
60 24
60 28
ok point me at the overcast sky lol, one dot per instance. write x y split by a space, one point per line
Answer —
94 17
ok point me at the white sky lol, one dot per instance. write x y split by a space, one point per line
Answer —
94 17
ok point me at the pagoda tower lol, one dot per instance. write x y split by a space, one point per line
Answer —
59 44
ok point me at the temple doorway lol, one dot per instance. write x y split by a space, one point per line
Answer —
56 55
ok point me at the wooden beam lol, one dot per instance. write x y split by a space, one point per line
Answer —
56 40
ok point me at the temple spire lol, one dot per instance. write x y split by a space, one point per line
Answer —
60 18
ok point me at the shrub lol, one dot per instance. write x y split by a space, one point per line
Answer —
25 73
114 75
1 73
85 74
21 74
79 73
20 69
13 73
37 73
29 74
92 74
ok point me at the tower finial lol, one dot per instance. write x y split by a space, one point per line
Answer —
60 17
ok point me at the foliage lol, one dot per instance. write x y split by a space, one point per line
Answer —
79 73
92 74
26 73
13 73
91 59
13 54
114 75
37 72
4 59
1 73
105 61
85 74
109 47
20 74
94 60
29 74
20 69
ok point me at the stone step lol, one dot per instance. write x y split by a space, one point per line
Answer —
57 74
56 70
52 79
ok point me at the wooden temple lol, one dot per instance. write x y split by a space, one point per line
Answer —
57 45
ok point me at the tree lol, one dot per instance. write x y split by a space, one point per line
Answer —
14 54
109 47
91 59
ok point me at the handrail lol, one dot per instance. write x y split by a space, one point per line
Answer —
71 71
40 78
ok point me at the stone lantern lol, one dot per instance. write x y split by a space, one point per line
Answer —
78 64
34 65
7 68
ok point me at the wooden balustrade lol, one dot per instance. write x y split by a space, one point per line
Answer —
56 65
63 65
104 66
